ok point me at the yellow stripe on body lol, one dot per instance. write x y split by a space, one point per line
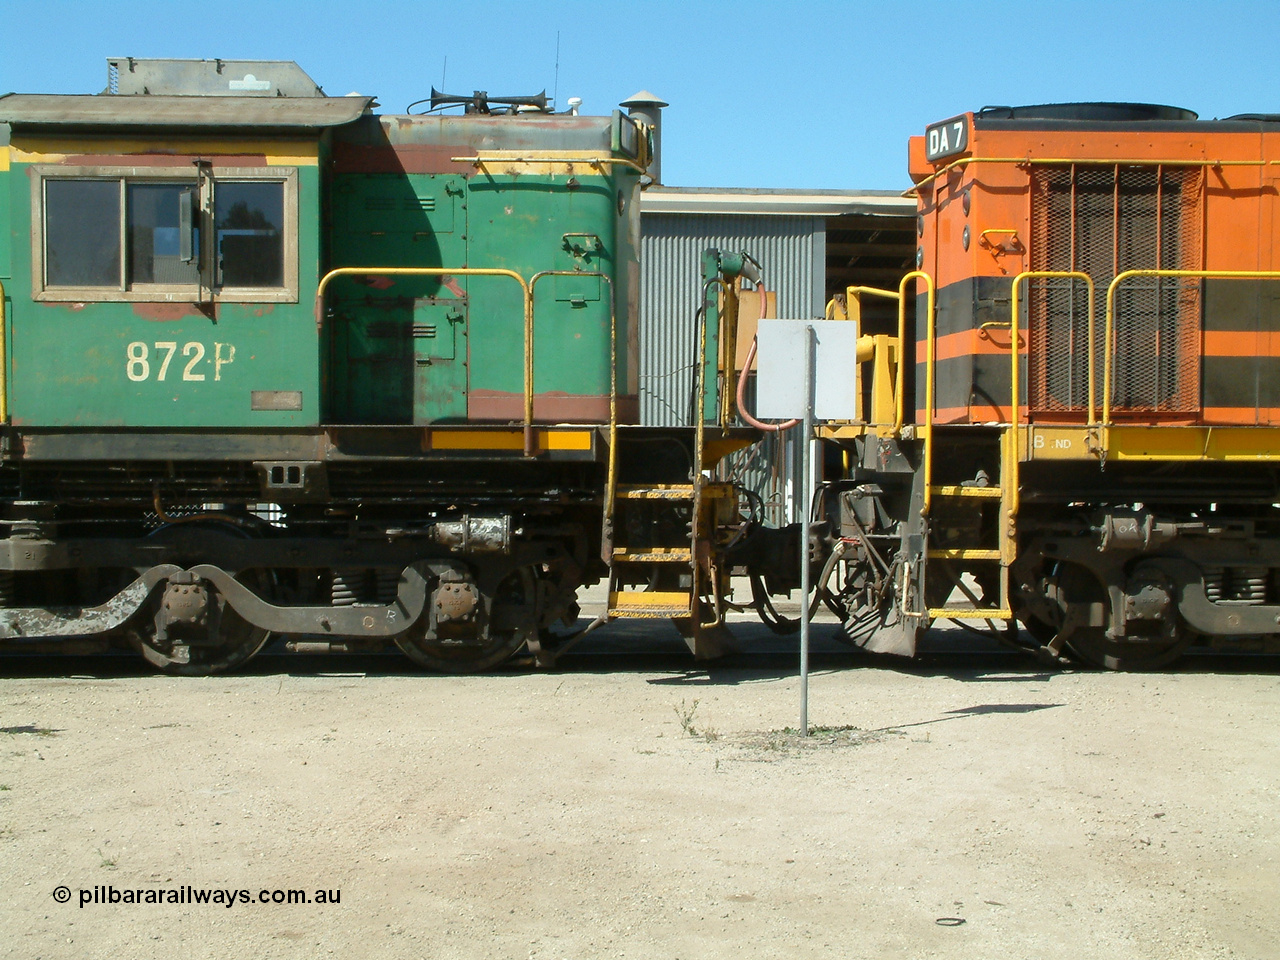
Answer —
282 153
570 163
1151 442
508 440
565 439
1193 443
477 440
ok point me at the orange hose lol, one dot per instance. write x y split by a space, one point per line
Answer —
746 369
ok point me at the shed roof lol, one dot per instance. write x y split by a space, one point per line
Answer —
115 112
757 202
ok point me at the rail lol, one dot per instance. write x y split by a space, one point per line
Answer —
612 481
1015 400
453 272
898 416
480 161
699 438
4 359
930 363
899 377
1015 304
1109 333
875 292
1093 161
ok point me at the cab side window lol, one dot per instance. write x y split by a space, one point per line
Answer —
139 234
249 227
82 233
158 249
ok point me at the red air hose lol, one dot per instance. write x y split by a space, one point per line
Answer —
742 380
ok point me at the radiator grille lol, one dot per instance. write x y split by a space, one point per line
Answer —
1103 220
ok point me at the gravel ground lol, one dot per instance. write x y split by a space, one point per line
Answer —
633 804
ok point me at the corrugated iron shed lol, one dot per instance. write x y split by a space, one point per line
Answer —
812 244
752 202
671 248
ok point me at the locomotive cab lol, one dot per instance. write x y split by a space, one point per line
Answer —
275 365
1092 449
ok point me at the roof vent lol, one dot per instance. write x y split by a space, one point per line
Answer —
1121 112
647 108
130 76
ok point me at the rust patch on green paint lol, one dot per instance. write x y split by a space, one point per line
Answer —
164 312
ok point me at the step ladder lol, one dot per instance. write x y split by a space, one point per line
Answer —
662 535
656 571
648 544
995 552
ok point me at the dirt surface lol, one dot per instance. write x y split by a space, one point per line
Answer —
636 805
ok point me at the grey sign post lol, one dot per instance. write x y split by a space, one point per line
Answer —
806 484
825 353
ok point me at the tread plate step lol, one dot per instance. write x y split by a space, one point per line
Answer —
970 613
653 555
649 605
949 490
963 554
657 491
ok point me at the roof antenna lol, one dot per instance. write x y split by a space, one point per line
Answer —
555 92
444 72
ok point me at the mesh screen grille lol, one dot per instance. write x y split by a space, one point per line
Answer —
1104 220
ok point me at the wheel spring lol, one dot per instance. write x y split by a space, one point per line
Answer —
1214 579
388 585
348 585
8 594
1236 584
1249 584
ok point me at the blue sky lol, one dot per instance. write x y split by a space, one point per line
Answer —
785 94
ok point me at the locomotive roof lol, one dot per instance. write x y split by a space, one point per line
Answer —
1149 117
175 112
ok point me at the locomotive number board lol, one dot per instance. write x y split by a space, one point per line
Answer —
946 139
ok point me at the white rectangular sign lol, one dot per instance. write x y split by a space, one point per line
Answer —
780 372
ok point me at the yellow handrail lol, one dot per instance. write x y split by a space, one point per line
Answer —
1013 326
613 377
1172 274
4 360
930 361
902 344
1089 161
479 161
453 272
875 292
1011 460
699 435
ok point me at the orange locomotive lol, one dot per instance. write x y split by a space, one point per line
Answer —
1096 434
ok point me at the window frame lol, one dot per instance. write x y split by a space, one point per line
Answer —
206 182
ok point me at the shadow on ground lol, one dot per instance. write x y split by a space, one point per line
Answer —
656 647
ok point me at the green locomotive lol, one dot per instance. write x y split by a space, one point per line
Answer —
277 365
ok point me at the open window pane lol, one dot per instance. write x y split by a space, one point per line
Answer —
82 233
249 222
155 234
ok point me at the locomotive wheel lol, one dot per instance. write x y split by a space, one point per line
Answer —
238 642
509 626
1091 644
